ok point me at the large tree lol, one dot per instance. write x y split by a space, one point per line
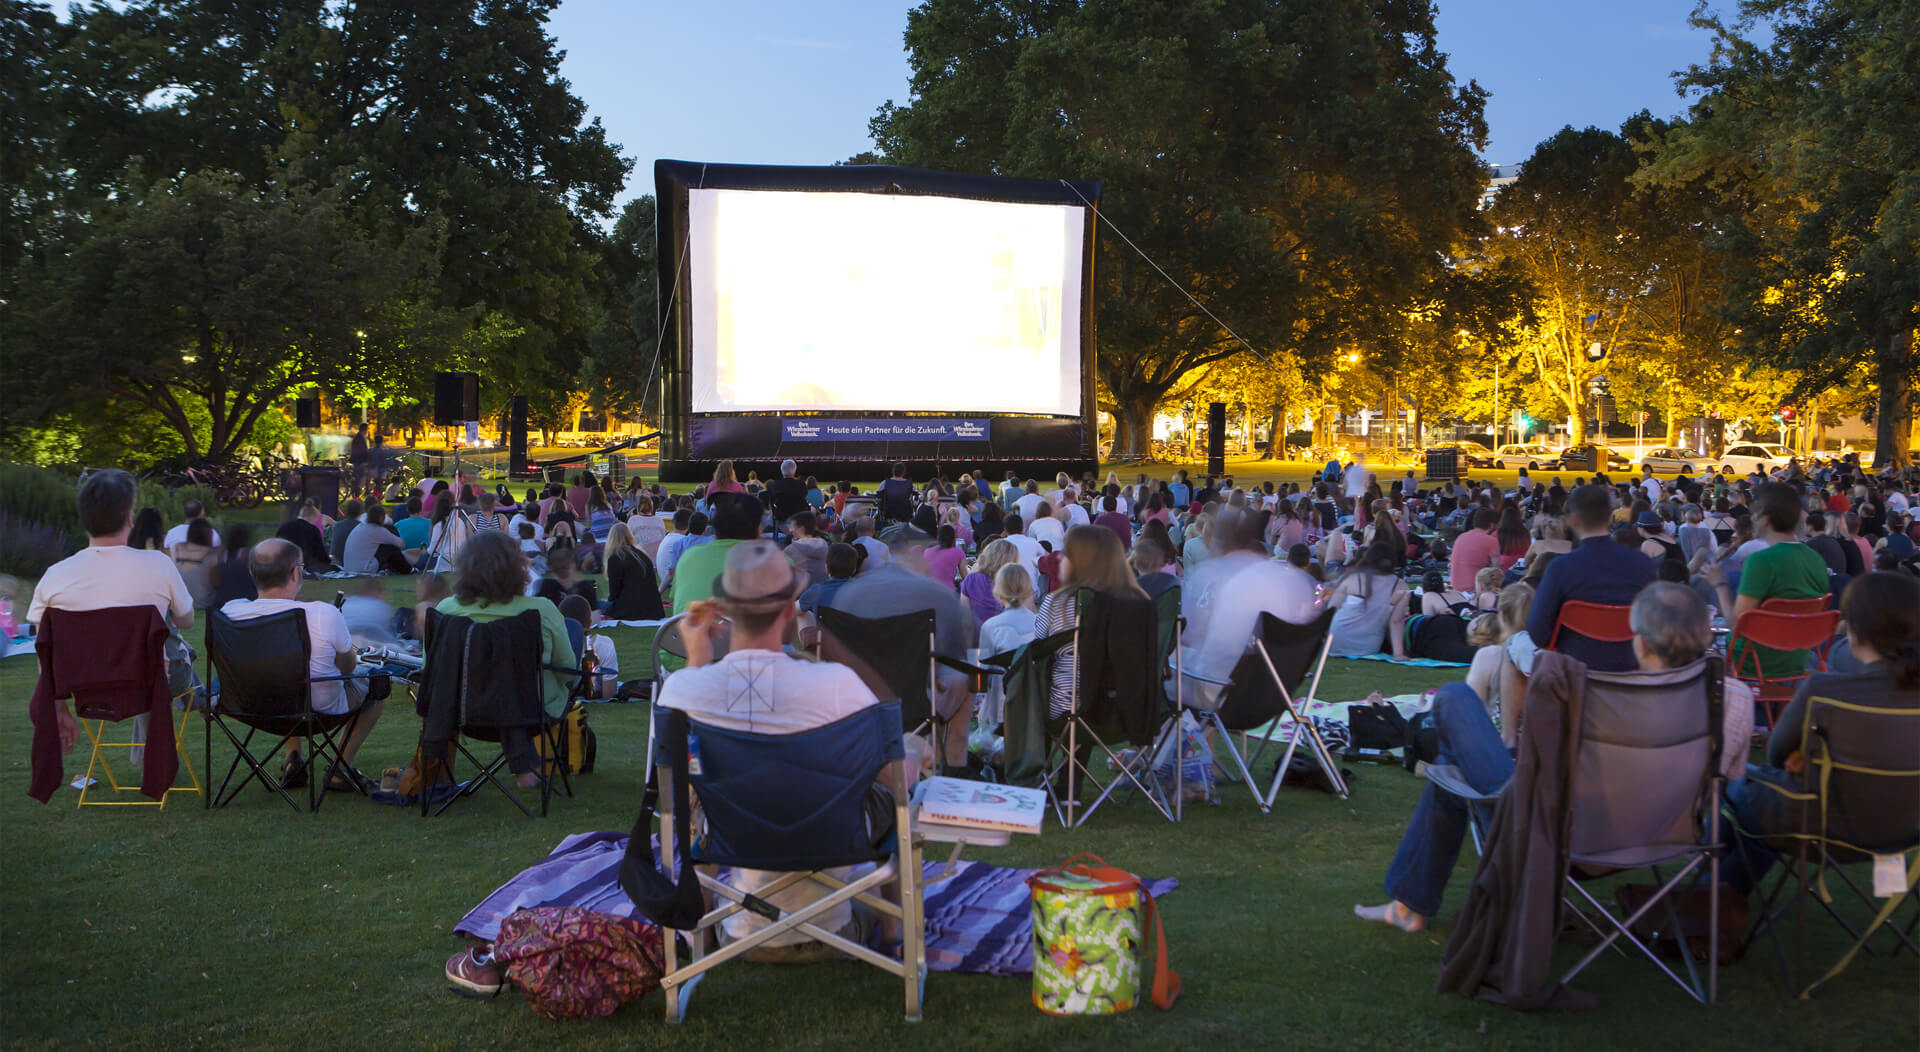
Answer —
445 116
1806 112
1299 165
213 294
620 374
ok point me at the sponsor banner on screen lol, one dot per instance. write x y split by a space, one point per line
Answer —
842 429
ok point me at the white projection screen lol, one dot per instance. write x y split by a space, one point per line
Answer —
837 301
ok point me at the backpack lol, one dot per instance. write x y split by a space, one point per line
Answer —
573 963
1423 740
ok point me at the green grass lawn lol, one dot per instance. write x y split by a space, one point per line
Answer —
257 927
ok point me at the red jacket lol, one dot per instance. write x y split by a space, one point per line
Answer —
113 663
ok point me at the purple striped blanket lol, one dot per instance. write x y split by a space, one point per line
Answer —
979 919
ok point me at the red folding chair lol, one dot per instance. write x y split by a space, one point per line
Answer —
1602 622
1819 604
1779 631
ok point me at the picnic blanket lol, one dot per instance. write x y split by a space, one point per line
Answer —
1409 662
979 919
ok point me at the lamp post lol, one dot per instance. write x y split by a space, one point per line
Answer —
1186 410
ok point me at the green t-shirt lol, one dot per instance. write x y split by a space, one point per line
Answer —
1781 571
555 647
693 575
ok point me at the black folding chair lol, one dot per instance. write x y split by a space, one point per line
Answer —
489 650
1067 736
1266 685
259 676
895 657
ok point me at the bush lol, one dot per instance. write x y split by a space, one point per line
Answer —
28 548
40 516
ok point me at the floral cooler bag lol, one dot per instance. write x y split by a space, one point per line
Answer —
1090 922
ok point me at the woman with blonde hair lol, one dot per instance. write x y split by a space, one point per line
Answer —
977 586
1091 558
633 586
723 481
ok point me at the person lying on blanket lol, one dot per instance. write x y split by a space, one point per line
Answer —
757 687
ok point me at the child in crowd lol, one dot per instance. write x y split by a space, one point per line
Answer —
601 658
1014 626
533 549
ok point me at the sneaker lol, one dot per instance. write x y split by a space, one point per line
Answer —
473 974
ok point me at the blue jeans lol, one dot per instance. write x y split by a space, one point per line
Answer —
1756 809
1431 846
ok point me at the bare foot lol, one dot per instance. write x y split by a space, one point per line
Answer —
1395 913
528 780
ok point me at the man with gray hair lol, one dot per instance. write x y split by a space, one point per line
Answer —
1670 630
787 495
277 569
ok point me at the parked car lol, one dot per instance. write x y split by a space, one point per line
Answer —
1475 454
1533 456
1764 456
1676 458
1590 457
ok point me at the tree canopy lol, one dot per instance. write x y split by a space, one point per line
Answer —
1300 165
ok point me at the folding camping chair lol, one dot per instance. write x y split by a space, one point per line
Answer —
1644 789
797 805
1601 622
895 657
1280 659
1847 746
1776 630
489 650
1065 739
108 642
259 677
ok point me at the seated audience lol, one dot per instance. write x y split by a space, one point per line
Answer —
490 582
350 511
1670 631
1475 549
945 556
232 578
196 512
807 549
106 573
149 531
374 548
1882 615
304 531
275 567
1223 598
757 592
1785 569
450 530
978 586
196 557
843 563
1091 558
563 579
633 588
600 658
902 586
1596 571
1370 602
1013 627
736 518
1149 565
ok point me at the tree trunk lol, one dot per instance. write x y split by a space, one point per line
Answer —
1893 421
1132 426
1276 432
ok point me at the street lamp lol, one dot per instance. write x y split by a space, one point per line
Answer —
1186 409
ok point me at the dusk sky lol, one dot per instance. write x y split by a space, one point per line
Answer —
776 82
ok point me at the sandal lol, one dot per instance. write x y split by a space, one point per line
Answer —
349 780
293 773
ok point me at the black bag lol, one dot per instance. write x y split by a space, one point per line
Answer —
1422 741
1376 726
669 901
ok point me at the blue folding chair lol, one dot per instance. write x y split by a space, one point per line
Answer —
796 804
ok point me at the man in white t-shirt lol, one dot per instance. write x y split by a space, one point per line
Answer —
1024 504
1029 548
107 573
276 568
1224 597
1071 513
756 687
1047 527
178 534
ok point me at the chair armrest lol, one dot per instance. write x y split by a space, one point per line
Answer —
563 668
1448 779
970 669
1187 673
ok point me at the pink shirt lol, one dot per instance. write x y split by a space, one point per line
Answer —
1473 552
943 564
725 487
